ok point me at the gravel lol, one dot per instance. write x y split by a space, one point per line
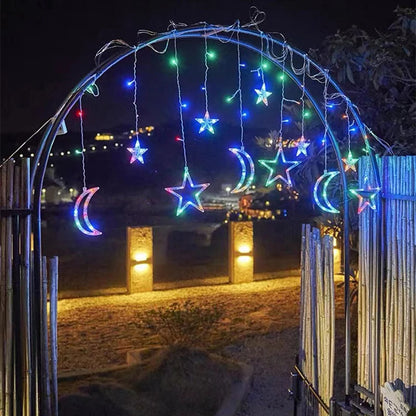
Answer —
272 357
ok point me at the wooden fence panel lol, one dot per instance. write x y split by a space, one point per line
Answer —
397 362
317 318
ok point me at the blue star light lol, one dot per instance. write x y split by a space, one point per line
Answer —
262 94
302 145
188 194
206 123
277 170
137 152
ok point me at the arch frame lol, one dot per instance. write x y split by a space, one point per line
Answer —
225 35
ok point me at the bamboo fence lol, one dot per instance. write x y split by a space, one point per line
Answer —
317 318
397 293
24 391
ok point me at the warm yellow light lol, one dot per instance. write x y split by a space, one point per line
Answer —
140 257
244 259
244 249
140 267
335 242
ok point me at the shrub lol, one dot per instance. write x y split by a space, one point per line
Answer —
184 324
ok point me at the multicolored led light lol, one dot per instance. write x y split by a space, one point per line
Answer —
89 229
262 95
206 123
273 165
302 146
137 152
188 194
243 156
350 162
366 197
326 206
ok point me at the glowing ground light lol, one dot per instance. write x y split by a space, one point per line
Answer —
262 95
89 229
325 205
243 157
188 194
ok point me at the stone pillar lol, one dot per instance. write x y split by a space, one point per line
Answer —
139 259
240 251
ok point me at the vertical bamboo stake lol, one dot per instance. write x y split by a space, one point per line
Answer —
25 291
44 353
8 364
3 172
17 359
53 313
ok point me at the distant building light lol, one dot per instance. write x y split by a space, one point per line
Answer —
68 152
104 136
62 153
93 148
21 155
116 145
32 155
105 147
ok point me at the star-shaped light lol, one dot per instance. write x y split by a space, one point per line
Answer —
350 162
302 145
137 152
366 197
277 169
206 123
262 94
188 194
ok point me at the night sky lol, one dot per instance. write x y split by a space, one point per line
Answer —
47 46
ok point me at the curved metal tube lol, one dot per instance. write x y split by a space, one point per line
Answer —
217 32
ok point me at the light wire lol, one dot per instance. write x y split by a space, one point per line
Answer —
180 102
81 125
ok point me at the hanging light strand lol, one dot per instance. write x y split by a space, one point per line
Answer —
325 119
302 98
206 70
81 125
136 113
180 102
239 87
283 97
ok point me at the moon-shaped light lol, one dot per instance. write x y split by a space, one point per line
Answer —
89 229
243 157
325 205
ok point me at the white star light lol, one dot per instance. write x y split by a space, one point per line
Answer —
263 94
206 123
137 152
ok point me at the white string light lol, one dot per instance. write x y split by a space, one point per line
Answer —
180 102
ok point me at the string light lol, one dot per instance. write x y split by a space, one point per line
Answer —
279 162
137 151
188 193
206 123
88 228
242 155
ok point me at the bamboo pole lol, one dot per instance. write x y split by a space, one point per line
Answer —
53 314
17 361
25 292
8 356
45 405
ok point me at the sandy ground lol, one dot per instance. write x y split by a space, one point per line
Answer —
259 327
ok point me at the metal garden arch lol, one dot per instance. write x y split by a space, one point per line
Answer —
219 33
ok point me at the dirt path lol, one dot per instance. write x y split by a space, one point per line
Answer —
260 328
